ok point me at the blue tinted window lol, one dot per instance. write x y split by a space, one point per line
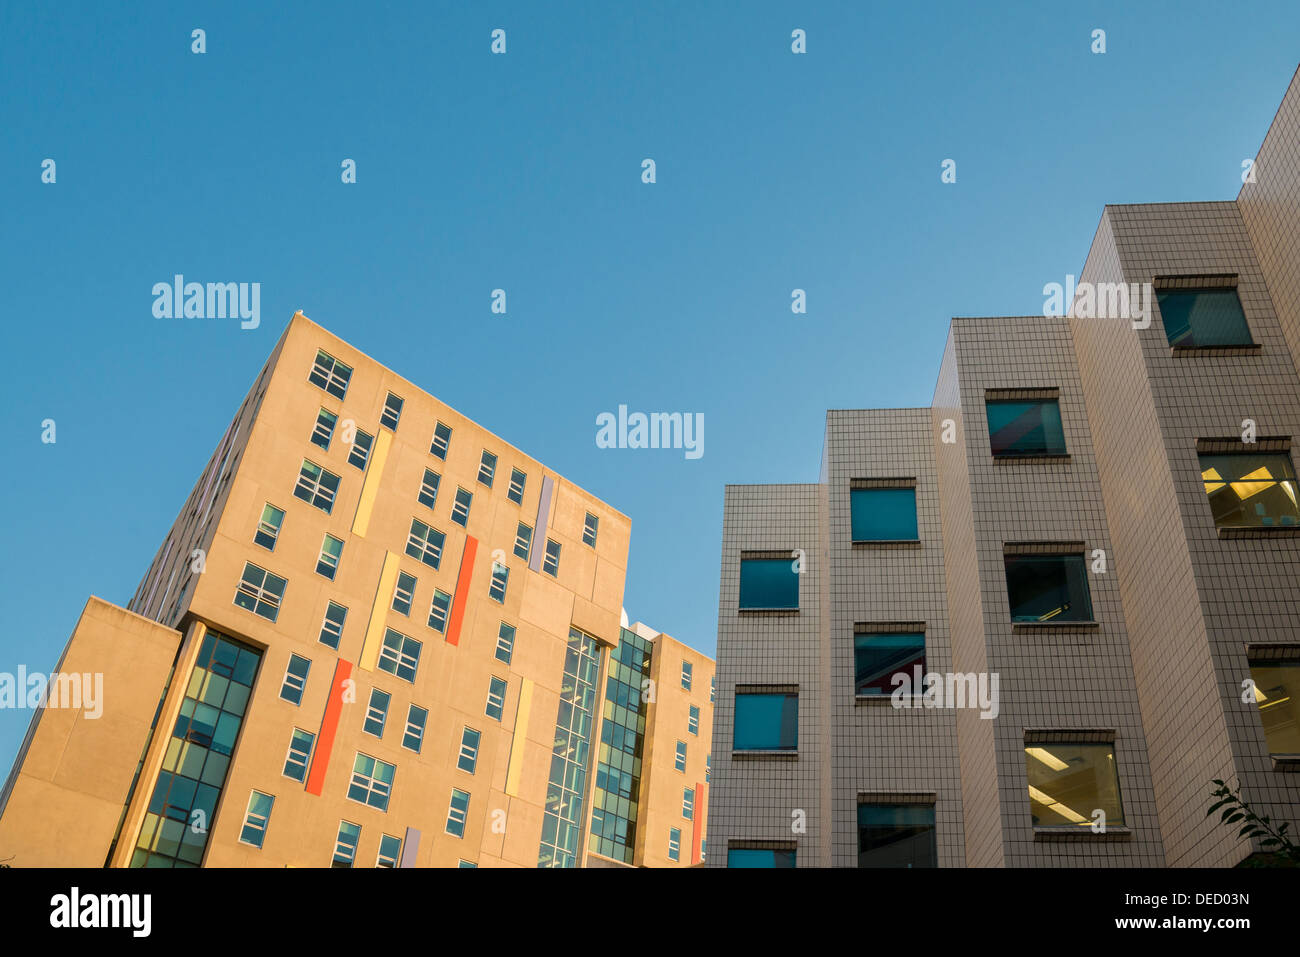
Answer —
1025 427
753 857
768 583
877 658
883 514
766 722
1048 588
1203 317
896 835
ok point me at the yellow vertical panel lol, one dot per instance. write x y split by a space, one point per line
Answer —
519 742
370 488
379 614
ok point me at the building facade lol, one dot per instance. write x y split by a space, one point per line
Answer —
1031 624
376 635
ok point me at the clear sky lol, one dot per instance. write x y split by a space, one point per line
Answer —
522 171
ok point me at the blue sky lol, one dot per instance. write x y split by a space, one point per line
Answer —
523 172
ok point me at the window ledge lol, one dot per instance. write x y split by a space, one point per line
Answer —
1081 833
870 700
1024 459
1243 349
1286 763
1055 625
765 755
768 612
886 543
1261 531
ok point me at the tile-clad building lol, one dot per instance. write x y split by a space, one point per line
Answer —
376 634
1098 510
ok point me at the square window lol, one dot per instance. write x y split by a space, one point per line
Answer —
425 543
331 550
1199 318
1068 783
768 583
458 812
883 514
756 857
505 642
256 818
404 593
429 488
268 527
551 563
345 846
260 592
441 441
390 851
1048 588
467 760
1277 695
589 527
679 760
361 445
376 713
316 486
324 428
400 655
413 737
487 468
297 760
687 670
372 781
496 699
1025 427
523 541
518 480
1251 490
392 412
438 610
877 658
766 722
329 374
460 508
896 835
295 679
331 629
500 579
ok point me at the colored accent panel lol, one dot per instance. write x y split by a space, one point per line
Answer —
378 613
697 823
518 743
410 847
370 488
543 515
462 590
329 725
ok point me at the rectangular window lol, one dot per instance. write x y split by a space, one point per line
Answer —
404 593
766 722
551 563
331 629
877 658
1048 588
441 441
260 592
883 514
589 527
429 488
316 486
392 412
467 760
372 781
487 468
500 579
523 541
768 583
345 847
390 851
505 642
295 679
688 803
1199 318
458 812
460 508
400 655
324 428
1251 490
518 480
299 756
693 721
268 527
425 543
438 610
756 857
1068 782
377 713
361 445
1025 427
256 818
708 767
1277 694
329 374
331 550
496 699
413 736
674 844
466 865
713 687
687 670
896 835
679 761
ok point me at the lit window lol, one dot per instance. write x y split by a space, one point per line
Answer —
679 763
877 658
413 736
460 508
458 812
372 781
760 857
487 468
467 760
1199 318
331 550
766 721
505 642
295 679
392 412
429 488
316 486
523 541
256 818
687 670
1048 588
1251 490
518 480
1277 694
896 835
674 844
496 699
551 563
345 846
268 527
883 514
360 454
299 756
329 374
693 720
768 583
260 592
425 543
1069 782
441 440
324 428
589 527
331 629
438 610
390 851
688 804
400 655
377 713
404 593
1025 427
500 579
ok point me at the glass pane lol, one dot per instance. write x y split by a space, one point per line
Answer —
768 583
883 514
877 658
896 835
1277 692
1045 588
1251 491
1019 427
1069 782
766 722
1203 317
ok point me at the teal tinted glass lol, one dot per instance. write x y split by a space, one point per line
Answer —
896 835
877 658
1203 317
768 583
1025 427
754 857
883 514
1048 588
766 722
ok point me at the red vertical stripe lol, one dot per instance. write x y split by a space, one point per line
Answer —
462 590
320 761
697 822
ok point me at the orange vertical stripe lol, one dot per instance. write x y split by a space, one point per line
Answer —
697 822
462 590
320 760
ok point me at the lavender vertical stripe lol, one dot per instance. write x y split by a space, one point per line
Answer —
410 847
539 530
